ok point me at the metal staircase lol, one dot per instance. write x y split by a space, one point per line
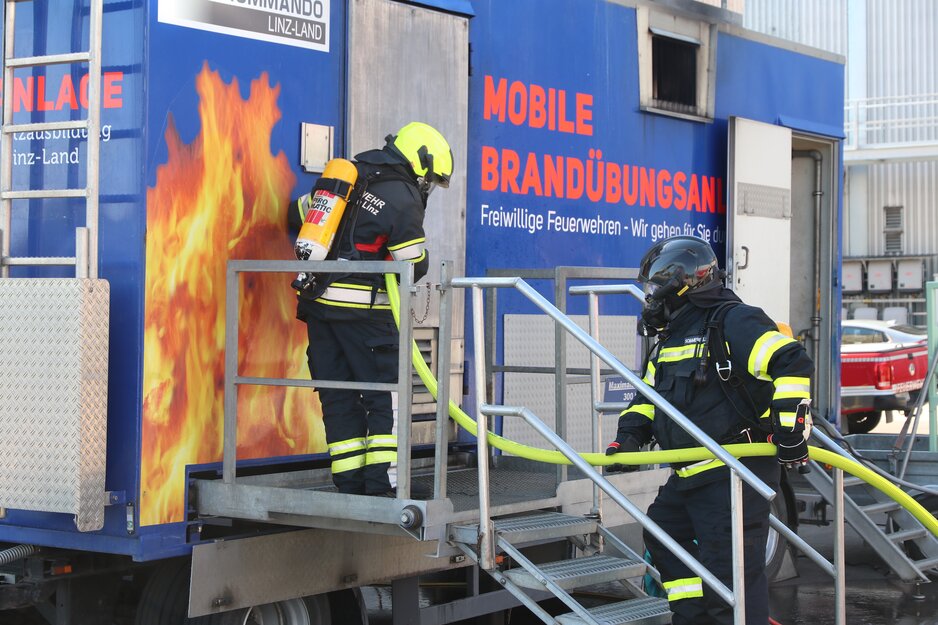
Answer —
897 538
564 576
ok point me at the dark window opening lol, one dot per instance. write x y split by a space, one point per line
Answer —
674 74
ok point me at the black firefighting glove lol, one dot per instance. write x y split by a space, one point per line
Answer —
617 447
791 449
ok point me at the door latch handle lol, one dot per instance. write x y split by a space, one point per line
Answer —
745 263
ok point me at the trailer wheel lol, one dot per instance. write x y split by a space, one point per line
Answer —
776 545
165 601
863 422
312 610
165 597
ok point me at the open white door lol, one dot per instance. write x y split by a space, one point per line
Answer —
758 215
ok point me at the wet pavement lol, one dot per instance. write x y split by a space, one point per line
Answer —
874 595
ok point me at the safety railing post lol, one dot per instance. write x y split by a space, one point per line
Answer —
739 561
404 384
595 393
486 527
840 587
444 350
230 409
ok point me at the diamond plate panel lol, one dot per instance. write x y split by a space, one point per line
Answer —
529 341
764 201
53 396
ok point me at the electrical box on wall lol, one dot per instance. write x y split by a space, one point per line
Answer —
316 147
852 276
879 276
909 274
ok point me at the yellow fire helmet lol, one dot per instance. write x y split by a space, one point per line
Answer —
426 150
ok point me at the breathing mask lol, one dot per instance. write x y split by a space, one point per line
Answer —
661 301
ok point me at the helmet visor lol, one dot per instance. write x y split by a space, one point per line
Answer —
440 180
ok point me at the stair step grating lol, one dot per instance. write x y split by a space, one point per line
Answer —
579 572
926 565
909 534
528 528
644 611
882 506
549 524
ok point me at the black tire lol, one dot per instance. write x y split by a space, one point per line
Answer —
165 601
777 545
312 610
165 597
863 422
348 607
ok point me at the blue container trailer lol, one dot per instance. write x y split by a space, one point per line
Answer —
583 131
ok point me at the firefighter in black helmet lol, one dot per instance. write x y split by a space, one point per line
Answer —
756 391
352 335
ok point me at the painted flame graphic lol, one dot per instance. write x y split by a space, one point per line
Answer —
221 197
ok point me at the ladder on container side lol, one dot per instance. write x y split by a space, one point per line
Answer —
86 243
76 308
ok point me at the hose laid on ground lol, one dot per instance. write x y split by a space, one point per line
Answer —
657 457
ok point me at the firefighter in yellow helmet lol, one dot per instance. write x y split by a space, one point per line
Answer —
352 335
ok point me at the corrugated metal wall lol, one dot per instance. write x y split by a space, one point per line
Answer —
901 68
902 39
914 186
902 36
816 23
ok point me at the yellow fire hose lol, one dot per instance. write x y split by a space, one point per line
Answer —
658 457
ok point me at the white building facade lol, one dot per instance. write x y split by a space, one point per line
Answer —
890 228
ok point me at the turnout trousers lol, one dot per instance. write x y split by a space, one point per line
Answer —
699 519
360 425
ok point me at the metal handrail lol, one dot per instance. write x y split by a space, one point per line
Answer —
593 291
738 471
616 365
597 478
909 120
404 385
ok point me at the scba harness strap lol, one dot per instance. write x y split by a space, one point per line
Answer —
345 235
730 380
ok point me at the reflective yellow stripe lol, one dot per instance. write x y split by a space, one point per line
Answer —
343 447
766 414
353 296
792 387
762 352
348 464
646 410
787 419
686 588
400 246
699 467
649 378
301 208
383 440
380 457
413 253
673 354
350 305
